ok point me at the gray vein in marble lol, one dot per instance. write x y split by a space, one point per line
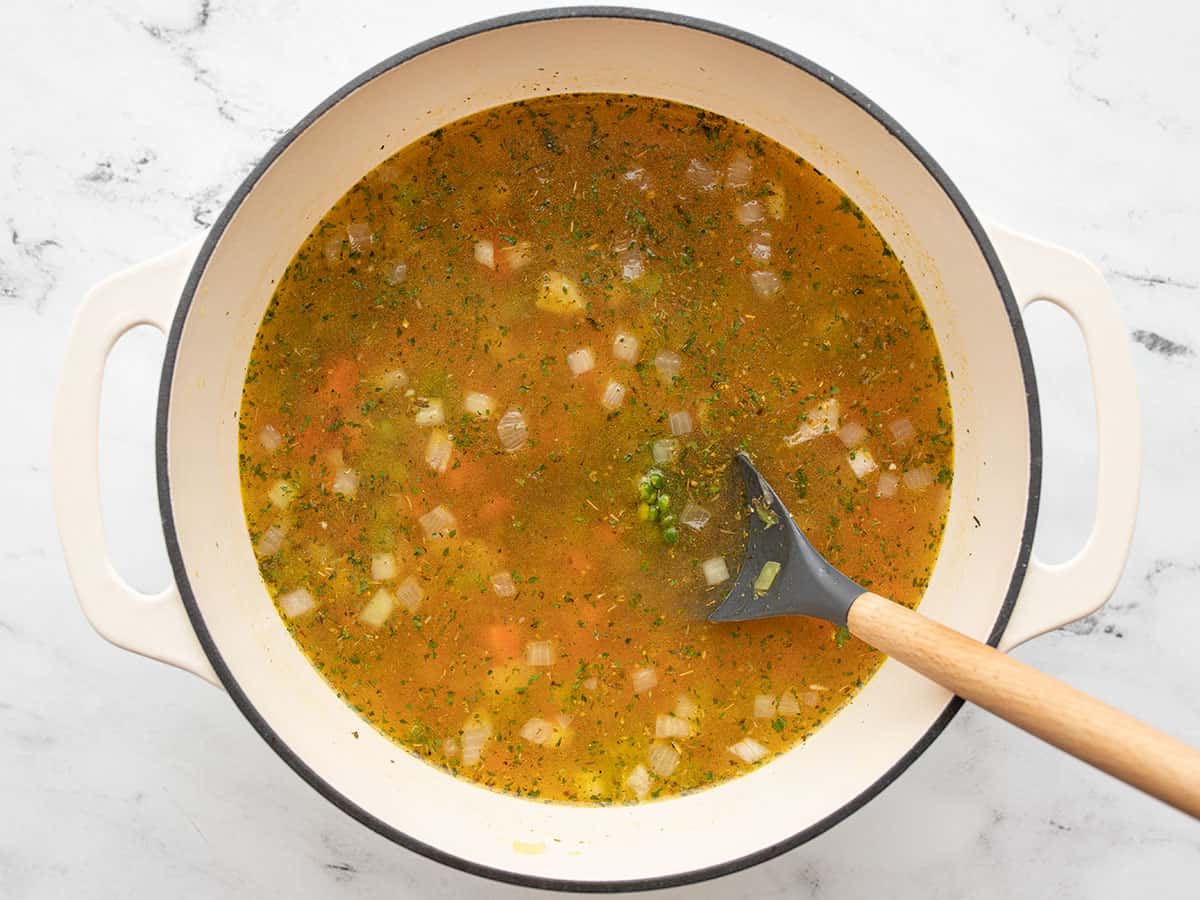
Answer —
1156 343
1155 280
176 41
31 277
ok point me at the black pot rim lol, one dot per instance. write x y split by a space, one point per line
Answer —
223 672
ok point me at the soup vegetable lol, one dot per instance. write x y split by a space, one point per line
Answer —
487 434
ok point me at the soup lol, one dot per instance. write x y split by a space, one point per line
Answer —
487 433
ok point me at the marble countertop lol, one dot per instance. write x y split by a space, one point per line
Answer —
127 124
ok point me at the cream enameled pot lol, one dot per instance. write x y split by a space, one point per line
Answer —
218 622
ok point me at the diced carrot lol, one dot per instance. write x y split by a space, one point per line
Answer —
588 611
502 641
462 474
494 508
313 440
579 561
603 540
605 535
352 437
340 380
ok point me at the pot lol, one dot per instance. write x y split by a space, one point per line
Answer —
218 622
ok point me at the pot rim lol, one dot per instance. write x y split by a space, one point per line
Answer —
179 570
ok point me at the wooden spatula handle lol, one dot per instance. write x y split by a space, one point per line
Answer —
1059 714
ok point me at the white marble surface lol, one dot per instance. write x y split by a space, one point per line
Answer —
123 128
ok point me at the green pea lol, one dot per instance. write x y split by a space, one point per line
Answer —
663 502
644 511
657 478
667 518
645 489
654 513
670 534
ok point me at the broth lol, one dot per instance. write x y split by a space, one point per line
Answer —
487 432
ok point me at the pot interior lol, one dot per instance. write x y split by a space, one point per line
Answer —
312 168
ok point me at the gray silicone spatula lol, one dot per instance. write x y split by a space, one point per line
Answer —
807 585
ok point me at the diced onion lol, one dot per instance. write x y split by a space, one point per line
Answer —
852 434
664 450
591 684
537 731
438 522
431 412
810 698
539 653
625 347
517 256
663 759
477 404
633 264
760 246
750 212
378 608
614 396
637 177
270 438
765 283
393 380
685 707
681 422
409 594
333 249
359 235
296 603
397 273
450 747
748 750
475 735
694 516
918 479
269 542
281 493
737 173
503 584
438 450
765 706
788 704
383 566
345 482
485 254
886 486
668 363
638 781
766 576
581 360
668 726
862 463
715 570
902 431
821 419
701 174
512 431
644 679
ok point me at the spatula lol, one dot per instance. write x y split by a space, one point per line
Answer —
807 585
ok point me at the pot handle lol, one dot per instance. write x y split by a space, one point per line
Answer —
154 625
1053 595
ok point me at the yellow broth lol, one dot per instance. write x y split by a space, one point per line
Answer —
478 261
